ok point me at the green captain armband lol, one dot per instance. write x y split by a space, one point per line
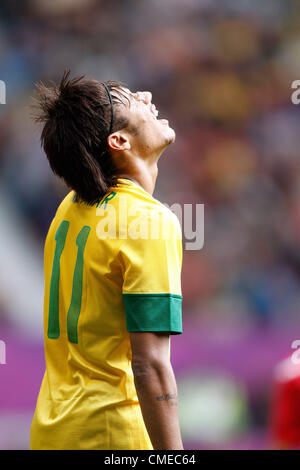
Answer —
153 312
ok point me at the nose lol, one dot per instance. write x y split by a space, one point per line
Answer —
145 96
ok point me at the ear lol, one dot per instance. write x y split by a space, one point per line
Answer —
118 141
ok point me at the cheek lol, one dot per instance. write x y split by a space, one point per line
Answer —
147 126
153 132
149 130
143 126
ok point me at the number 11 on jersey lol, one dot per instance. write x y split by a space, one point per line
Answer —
75 305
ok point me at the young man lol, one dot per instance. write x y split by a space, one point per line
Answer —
112 285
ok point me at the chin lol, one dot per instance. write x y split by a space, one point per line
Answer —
167 132
170 136
173 135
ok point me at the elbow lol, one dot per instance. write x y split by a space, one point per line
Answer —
146 369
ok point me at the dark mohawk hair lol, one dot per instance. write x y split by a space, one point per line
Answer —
76 115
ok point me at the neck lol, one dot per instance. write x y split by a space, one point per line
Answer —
143 173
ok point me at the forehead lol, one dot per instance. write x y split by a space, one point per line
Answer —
126 91
121 91
124 95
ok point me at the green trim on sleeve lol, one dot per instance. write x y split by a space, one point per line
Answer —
153 312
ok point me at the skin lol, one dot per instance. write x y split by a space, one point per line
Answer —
136 151
156 389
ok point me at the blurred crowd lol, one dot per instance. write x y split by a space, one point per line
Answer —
221 72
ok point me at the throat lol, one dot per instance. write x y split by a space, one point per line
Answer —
143 177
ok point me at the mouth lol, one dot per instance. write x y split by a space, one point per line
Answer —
154 111
163 122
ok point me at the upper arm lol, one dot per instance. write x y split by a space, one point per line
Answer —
151 281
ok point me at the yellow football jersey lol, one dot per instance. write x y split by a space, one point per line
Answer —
110 268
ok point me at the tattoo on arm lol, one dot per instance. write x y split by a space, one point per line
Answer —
168 396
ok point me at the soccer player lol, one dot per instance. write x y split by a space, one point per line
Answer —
112 265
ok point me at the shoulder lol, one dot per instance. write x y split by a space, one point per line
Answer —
68 200
137 199
144 217
60 215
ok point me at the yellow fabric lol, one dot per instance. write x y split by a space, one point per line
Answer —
87 398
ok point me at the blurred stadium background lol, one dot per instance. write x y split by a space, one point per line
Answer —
221 71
